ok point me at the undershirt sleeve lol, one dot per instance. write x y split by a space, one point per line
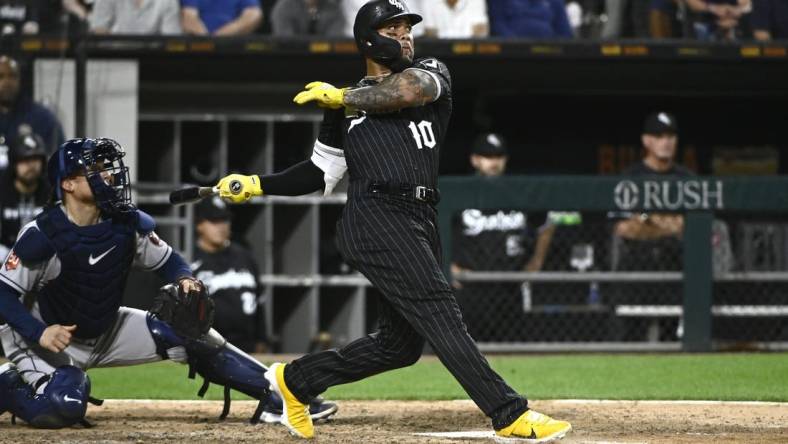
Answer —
301 178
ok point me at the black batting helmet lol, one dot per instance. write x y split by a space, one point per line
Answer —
371 44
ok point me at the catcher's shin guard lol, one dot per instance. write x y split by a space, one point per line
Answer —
216 360
63 402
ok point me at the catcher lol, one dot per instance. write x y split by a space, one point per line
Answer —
75 258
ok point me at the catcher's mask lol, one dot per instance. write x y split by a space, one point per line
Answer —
101 162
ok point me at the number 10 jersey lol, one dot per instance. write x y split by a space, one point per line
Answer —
397 147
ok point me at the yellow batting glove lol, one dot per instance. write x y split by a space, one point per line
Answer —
325 94
237 188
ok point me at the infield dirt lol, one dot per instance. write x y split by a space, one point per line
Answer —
371 422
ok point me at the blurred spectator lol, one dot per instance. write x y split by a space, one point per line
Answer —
230 274
529 18
588 19
308 17
351 7
19 17
495 240
349 10
135 17
50 16
770 19
20 115
24 189
221 17
455 19
720 19
663 19
652 241
627 18
78 8
78 14
574 13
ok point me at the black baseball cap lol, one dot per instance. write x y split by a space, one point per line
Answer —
660 123
213 209
490 145
28 146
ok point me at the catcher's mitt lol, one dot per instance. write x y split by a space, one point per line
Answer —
189 313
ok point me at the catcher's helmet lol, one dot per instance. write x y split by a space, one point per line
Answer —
28 146
371 44
101 162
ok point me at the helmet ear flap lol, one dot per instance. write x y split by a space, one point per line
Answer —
384 50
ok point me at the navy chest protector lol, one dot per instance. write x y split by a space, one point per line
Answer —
94 264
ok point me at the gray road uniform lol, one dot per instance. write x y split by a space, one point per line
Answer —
77 275
127 342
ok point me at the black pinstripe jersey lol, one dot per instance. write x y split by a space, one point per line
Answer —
403 146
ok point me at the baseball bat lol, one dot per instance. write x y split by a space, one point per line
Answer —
192 194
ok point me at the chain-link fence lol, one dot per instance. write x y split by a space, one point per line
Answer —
750 298
612 279
583 277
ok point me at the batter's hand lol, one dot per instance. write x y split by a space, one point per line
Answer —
237 188
325 94
56 337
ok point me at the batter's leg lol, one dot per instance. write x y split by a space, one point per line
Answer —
396 344
396 253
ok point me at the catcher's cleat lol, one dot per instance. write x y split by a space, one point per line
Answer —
533 427
295 414
8 380
319 410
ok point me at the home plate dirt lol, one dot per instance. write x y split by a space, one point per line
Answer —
370 422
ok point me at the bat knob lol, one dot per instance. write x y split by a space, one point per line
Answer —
236 187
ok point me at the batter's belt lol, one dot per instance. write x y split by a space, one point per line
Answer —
418 193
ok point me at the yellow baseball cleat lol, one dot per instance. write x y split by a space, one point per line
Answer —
295 415
533 427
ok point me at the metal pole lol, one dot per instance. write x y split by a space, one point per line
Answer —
81 60
698 280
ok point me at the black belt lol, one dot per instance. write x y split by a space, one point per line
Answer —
416 192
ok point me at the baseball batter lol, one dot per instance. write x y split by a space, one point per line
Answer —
75 257
387 133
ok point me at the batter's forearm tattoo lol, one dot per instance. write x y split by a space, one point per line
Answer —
403 90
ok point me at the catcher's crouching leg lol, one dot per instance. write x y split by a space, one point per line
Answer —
62 403
216 360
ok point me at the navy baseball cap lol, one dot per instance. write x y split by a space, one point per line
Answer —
660 123
490 145
213 209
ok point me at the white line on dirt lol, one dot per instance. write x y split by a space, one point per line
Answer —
659 402
470 434
611 442
559 401
487 434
